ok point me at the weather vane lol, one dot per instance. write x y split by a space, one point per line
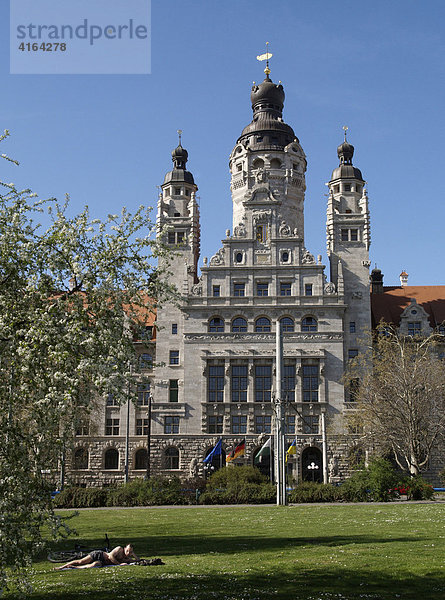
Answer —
179 134
345 129
266 57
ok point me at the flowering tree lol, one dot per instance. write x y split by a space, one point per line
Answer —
401 397
71 297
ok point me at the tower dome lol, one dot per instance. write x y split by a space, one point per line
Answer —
346 170
267 129
179 172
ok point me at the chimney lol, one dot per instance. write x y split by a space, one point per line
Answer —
403 278
376 281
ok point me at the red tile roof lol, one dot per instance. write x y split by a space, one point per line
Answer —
389 305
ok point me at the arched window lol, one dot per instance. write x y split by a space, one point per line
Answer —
81 458
287 324
111 459
239 325
172 458
258 163
140 459
275 163
216 325
309 324
262 325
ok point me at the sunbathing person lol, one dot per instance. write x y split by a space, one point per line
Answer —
99 558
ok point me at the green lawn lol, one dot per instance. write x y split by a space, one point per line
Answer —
246 553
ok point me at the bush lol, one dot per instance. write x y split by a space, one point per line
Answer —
418 489
155 491
76 497
375 483
238 485
315 492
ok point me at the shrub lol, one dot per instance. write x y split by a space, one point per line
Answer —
155 491
238 485
418 489
76 497
376 482
309 491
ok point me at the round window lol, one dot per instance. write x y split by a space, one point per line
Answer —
414 312
285 256
239 257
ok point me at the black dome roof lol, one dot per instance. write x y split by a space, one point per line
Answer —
346 170
179 173
267 129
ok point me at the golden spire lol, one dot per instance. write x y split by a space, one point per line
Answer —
266 57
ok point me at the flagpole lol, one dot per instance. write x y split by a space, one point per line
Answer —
280 474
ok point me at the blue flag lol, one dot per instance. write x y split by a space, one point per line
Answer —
217 450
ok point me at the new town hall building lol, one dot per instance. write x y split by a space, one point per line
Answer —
215 352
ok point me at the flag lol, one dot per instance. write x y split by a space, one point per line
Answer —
216 451
238 451
292 449
264 451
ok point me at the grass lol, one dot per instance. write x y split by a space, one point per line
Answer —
308 552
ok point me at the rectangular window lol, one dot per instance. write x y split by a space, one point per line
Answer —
289 383
239 424
174 357
414 328
216 291
285 289
215 392
171 425
352 353
336 189
345 235
263 423
145 361
239 289
143 394
82 428
310 424
141 427
171 237
262 289
111 400
173 390
239 383
290 424
112 427
354 235
174 328
308 289
263 383
351 326
346 187
261 233
358 189
310 383
177 191
180 237
353 389
239 167
215 424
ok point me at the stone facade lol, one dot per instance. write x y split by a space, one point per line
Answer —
215 352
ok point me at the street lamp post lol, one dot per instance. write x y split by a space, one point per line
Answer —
313 467
147 473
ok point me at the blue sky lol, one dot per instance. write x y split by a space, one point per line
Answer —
377 67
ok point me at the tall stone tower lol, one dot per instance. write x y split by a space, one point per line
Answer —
178 227
348 241
267 169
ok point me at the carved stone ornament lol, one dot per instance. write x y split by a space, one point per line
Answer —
261 176
357 295
190 269
333 467
197 290
193 468
240 230
262 216
329 288
307 258
218 258
284 230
